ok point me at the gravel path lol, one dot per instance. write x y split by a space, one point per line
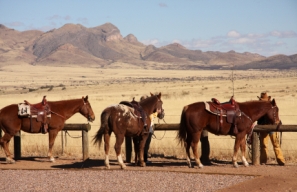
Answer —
113 180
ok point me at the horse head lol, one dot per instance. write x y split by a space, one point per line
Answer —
86 110
159 106
272 116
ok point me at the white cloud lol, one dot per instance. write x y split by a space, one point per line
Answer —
233 34
154 42
283 34
243 40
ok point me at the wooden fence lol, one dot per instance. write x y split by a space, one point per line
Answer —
84 128
255 143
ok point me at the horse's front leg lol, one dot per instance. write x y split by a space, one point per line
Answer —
52 134
136 149
243 148
117 147
237 143
141 149
4 142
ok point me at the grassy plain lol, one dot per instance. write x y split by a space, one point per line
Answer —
178 87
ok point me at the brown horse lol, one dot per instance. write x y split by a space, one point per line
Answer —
122 121
11 122
195 118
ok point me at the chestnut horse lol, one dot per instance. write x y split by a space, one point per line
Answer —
11 123
195 118
122 121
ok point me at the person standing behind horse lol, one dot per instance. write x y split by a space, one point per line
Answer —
151 131
273 137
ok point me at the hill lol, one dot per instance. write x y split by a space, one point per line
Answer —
103 46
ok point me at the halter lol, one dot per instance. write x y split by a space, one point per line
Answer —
88 112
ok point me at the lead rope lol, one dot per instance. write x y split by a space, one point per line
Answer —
154 136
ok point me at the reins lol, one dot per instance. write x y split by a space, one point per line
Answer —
154 136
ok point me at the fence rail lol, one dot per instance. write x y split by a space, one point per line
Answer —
255 143
84 128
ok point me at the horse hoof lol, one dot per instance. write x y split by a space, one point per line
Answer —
246 165
123 166
235 165
143 165
10 161
107 167
200 166
52 159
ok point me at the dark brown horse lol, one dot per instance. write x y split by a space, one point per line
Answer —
11 122
195 118
122 121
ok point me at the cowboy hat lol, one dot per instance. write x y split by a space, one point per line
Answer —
264 97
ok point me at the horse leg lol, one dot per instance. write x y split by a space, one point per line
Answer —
106 149
243 148
52 134
4 142
141 150
194 145
188 145
238 141
136 149
117 147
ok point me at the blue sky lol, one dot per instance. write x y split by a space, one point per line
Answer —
266 27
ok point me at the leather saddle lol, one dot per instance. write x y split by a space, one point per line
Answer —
230 110
41 111
138 111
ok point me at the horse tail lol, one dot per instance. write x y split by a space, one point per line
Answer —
103 127
182 131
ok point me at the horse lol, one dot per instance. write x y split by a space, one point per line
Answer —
11 122
195 118
122 121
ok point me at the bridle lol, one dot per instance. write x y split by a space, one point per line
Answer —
85 108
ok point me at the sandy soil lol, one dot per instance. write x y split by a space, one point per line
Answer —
270 177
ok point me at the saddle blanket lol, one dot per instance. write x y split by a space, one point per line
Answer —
25 110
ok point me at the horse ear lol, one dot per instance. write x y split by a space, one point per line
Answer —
85 98
273 102
151 94
160 95
269 98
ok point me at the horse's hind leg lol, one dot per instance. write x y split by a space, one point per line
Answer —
117 147
188 145
194 145
4 142
106 149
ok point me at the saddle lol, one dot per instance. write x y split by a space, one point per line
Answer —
41 111
230 110
138 111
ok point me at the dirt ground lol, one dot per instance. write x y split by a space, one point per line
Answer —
270 177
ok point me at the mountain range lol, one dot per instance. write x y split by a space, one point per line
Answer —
104 47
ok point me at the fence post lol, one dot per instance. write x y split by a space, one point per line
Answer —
128 145
256 149
85 145
17 145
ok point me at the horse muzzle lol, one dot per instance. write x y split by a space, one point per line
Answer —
91 118
161 115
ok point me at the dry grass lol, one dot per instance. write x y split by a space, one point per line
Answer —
178 88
